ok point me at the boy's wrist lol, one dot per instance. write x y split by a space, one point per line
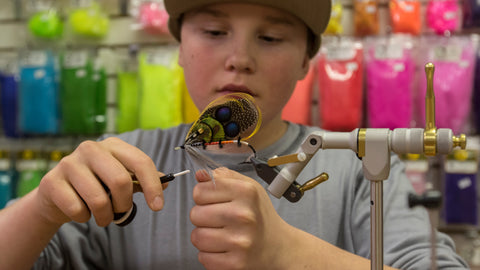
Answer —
49 215
289 253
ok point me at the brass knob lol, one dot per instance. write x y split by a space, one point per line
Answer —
460 141
314 182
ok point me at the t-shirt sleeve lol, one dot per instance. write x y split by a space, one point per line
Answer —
76 246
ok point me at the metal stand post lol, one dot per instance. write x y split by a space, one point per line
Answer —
376 224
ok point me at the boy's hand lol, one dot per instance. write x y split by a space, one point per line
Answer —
73 191
237 226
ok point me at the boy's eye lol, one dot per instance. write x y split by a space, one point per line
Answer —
270 38
215 33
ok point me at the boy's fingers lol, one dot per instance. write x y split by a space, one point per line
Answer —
203 176
207 191
67 200
138 188
137 162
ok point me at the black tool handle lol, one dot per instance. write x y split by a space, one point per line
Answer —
430 199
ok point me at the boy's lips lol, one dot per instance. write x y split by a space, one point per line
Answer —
231 88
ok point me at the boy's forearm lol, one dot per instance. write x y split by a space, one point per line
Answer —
24 233
314 253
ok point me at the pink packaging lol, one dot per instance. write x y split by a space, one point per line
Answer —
152 18
454 60
442 15
390 70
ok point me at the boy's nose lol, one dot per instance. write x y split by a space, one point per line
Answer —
241 59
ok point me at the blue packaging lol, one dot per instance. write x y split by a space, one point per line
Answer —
8 99
476 96
38 94
460 189
471 13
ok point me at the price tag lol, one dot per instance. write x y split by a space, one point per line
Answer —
160 57
341 52
448 53
391 51
416 166
466 167
4 164
35 58
75 59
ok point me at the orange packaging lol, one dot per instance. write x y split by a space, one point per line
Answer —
299 107
366 17
406 16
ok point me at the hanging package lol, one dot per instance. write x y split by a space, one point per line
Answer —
89 21
406 16
340 76
190 112
44 21
8 101
442 15
390 70
7 180
460 206
161 81
366 17
82 93
299 107
471 13
454 60
77 93
99 77
476 96
31 168
416 170
46 24
38 94
127 100
151 17
334 26
128 91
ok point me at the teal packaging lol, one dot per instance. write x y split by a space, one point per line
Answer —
7 179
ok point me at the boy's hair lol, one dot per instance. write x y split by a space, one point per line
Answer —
314 13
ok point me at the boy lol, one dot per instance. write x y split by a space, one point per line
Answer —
259 47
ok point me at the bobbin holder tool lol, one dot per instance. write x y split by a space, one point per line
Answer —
373 146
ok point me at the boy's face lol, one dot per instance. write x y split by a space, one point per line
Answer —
243 48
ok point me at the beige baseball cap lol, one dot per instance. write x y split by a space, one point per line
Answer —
314 13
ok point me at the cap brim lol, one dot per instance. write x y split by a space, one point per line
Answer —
314 13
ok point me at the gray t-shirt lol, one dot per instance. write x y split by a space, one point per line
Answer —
337 211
